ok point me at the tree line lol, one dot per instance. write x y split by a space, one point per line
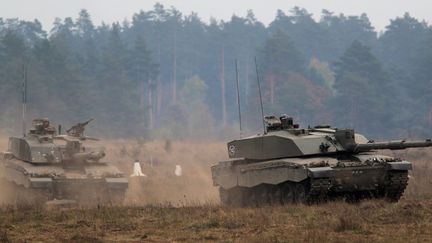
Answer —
163 74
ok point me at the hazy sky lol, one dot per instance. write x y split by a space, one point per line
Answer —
379 11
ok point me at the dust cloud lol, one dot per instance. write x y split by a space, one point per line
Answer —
161 186
158 161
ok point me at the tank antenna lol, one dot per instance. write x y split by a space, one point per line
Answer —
24 100
238 97
260 96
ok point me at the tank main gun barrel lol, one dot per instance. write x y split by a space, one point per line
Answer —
394 145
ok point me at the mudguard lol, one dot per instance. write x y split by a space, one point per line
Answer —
321 172
403 165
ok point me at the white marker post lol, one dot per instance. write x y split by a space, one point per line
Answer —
137 170
178 170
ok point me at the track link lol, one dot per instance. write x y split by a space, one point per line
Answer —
308 192
318 192
397 181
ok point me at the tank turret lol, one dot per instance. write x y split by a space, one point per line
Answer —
38 145
284 139
41 145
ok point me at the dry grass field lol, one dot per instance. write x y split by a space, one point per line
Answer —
165 208
370 221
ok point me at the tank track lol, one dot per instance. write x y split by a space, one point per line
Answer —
397 181
21 196
309 191
319 190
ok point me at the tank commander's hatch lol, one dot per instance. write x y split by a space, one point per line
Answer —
282 123
272 123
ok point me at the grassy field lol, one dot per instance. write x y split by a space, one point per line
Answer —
162 207
370 221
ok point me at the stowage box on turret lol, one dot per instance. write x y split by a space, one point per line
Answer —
289 164
53 166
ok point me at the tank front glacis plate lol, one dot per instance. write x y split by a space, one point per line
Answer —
31 175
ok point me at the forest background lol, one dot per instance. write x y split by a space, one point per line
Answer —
166 75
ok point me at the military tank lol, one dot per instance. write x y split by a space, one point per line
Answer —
50 166
289 164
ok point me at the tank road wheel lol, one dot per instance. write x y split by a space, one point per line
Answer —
307 191
235 196
287 193
115 196
300 193
103 196
224 196
351 197
275 195
396 184
259 195
318 190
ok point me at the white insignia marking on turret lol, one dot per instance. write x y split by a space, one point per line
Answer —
232 150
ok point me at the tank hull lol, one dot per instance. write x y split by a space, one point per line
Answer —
310 180
100 183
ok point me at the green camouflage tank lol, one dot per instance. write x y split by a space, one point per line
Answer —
55 166
289 164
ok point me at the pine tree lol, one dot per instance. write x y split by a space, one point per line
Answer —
279 57
142 73
363 91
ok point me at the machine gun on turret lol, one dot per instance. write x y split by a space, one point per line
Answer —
78 129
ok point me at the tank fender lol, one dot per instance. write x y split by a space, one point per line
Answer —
14 174
402 165
272 176
117 183
321 172
224 174
41 183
